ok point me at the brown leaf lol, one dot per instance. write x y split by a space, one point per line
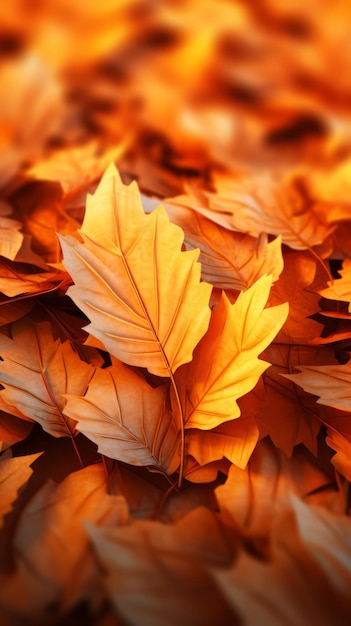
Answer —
251 498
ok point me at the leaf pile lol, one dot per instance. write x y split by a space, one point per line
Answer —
175 313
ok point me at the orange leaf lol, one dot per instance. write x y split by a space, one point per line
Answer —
55 565
14 473
225 364
340 288
331 383
36 372
127 418
229 260
12 429
158 573
141 292
234 440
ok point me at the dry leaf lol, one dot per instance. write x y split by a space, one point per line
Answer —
331 383
19 279
235 440
225 364
229 260
14 473
54 562
340 288
251 498
140 291
12 429
307 578
127 418
342 446
157 573
295 286
288 415
36 371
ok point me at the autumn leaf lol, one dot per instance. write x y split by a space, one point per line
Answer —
225 364
10 237
229 260
295 286
253 496
340 288
14 473
235 440
19 279
41 208
307 576
127 418
342 447
54 562
263 204
12 430
289 415
331 383
157 573
36 371
140 291
75 169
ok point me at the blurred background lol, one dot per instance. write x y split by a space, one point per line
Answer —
175 92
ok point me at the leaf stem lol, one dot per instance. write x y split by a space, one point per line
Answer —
182 430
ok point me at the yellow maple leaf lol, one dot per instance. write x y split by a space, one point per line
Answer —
141 292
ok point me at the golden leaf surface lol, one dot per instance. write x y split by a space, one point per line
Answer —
225 365
141 292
